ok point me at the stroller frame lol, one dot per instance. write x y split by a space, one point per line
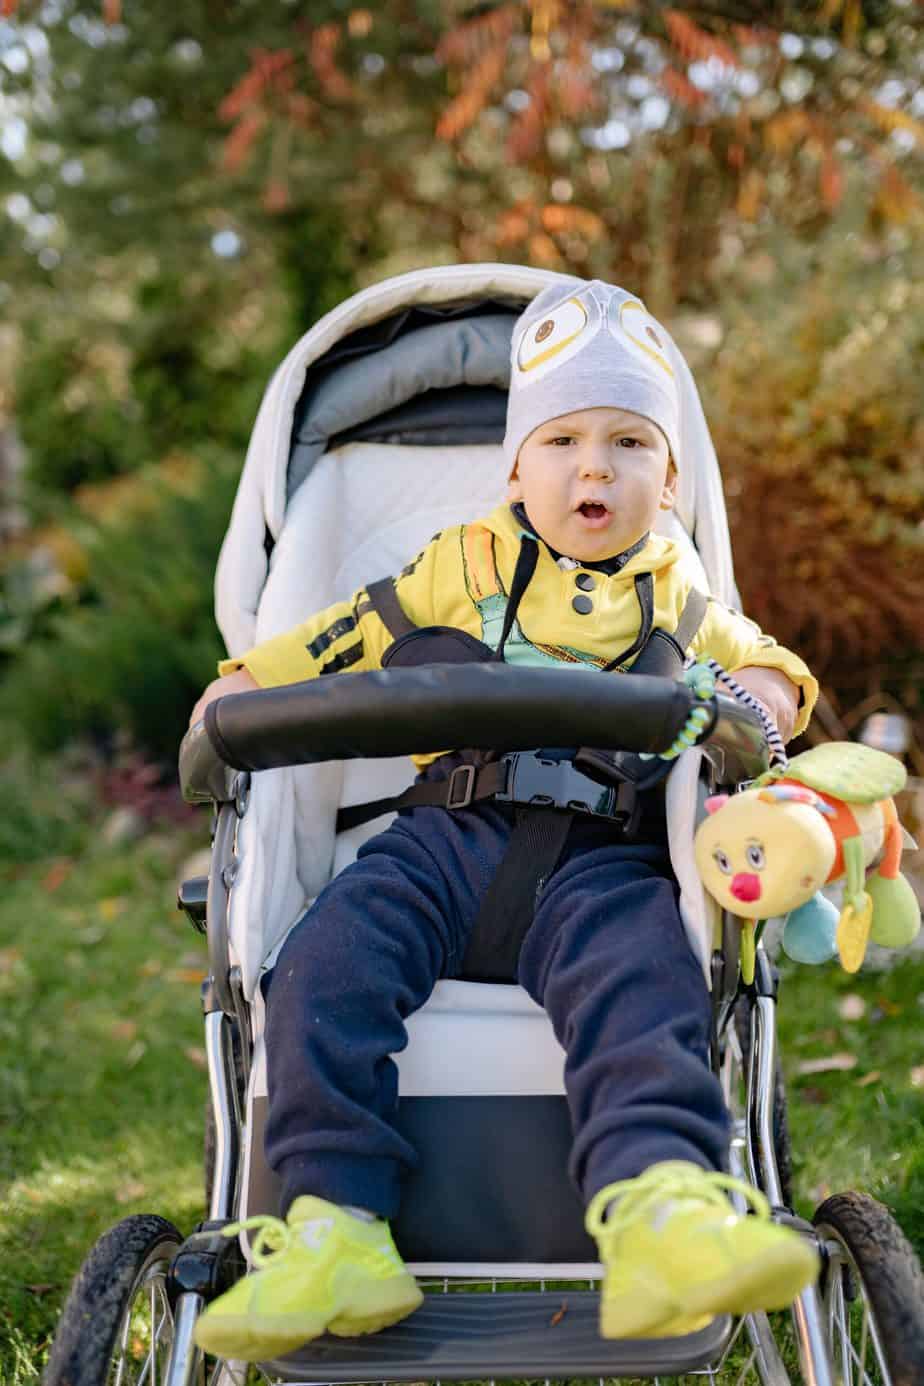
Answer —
201 1267
459 1336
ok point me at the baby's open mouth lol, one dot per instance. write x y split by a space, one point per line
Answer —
593 510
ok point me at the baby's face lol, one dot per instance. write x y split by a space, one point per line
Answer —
593 481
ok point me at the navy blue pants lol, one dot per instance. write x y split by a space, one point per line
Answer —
606 957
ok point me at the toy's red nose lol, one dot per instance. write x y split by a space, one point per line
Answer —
745 886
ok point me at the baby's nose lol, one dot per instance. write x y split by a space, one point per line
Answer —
596 462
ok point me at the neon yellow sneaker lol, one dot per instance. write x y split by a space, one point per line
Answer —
676 1253
321 1271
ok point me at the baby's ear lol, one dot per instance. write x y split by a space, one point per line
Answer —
514 486
669 490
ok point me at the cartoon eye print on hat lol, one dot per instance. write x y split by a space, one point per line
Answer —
642 334
554 338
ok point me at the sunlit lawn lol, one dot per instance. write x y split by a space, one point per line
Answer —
102 1085
101 1078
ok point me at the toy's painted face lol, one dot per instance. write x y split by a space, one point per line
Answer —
760 858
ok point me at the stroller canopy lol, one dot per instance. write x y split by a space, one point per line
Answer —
443 335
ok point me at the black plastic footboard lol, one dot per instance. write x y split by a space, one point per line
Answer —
506 1335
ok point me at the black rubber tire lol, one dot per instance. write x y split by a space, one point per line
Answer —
782 1144
103 1289
893 1281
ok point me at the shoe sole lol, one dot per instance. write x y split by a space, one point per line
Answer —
773 1283
257 1341
248 1340
384 1310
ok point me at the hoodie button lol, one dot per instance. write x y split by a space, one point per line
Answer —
582 605
585 582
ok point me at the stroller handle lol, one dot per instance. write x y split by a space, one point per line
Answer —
488 707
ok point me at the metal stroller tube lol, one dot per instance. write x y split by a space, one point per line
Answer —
764 1174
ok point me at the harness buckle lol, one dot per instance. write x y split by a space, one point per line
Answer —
546 783
464 776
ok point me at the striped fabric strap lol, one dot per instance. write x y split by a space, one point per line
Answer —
778 756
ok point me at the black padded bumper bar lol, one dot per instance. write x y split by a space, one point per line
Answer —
488 707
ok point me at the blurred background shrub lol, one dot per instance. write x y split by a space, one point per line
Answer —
817 409
135 641
182 196
45 808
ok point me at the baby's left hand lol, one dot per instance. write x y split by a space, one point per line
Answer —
777 693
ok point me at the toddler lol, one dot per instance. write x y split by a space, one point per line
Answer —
567 573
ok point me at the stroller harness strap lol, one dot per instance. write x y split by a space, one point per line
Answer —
546 789
520 777
385 602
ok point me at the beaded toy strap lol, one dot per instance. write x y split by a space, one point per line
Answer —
778 756
702 675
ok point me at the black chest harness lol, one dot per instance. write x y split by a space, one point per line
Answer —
546 788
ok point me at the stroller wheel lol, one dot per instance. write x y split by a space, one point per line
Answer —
117 1325
873 1293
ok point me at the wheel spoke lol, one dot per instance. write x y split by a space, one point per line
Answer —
852 1329
738 1330
864 1379
123 1345
166 1319
746 1368
840 1312
150 1302
864 1338
879 1351
153 1352
162 1329
148 1363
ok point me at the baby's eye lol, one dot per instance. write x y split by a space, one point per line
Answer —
633 442
562 441
721 861
755 856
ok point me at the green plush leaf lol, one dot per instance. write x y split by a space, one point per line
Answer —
846 770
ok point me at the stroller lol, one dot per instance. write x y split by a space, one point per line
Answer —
388 414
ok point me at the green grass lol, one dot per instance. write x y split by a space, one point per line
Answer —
101 1088
862 1128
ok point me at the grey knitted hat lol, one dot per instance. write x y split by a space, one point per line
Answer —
584 344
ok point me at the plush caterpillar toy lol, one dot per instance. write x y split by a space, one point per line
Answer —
828 814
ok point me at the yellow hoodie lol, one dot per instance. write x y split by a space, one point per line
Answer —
577 617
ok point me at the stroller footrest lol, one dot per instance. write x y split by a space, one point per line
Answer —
459 1336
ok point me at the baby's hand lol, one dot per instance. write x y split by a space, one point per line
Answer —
241 681
777 693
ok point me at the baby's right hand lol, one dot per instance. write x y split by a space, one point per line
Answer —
241 681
